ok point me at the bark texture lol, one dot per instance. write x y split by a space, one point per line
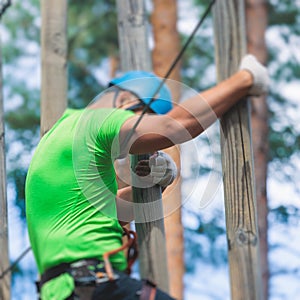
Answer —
237 159
257 19
54 62
166 48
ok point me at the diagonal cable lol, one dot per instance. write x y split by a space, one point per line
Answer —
14 264
175 62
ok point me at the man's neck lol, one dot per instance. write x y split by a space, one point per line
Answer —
102 101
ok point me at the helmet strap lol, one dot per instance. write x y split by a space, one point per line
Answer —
135 106
117 91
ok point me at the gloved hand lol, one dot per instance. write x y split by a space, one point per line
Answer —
163 169
259 73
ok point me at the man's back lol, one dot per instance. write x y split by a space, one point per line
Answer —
70 208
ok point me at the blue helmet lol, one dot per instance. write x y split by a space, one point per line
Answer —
144 85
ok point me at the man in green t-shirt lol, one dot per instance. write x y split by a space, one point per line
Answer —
72 200
71 192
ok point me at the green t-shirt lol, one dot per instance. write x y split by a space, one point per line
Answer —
71 188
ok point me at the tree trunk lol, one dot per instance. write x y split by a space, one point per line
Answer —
4 261
256 16
54 62
237 159
166 42
135 55
113 65
166 48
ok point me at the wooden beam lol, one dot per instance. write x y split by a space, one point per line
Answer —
4 260
135 55
54 62
237 158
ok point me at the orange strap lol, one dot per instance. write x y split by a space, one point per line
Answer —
131 257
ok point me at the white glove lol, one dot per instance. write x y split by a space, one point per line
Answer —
163 169
259 73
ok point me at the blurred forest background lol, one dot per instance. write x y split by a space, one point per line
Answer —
92 54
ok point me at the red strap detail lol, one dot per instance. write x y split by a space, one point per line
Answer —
131 257
148 291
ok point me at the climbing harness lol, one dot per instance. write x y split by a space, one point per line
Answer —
91 272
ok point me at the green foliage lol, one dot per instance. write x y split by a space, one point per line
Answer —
205 241
199 56
197 59
285 214
84 85
283 12
283 138
283 143
92 30
26 115
17 179
21 25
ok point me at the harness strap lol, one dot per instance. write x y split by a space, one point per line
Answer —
54 272
117 90
148 291
131 256
132 252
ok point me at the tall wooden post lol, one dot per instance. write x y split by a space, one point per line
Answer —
237 160
54 62
257 22
4 260
165 33
135 55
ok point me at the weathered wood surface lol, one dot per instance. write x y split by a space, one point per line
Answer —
54 62
237 159
4 256
148 209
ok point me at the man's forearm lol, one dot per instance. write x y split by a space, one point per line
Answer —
203 110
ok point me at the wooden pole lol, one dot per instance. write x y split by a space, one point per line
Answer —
257 22
54 62
237 160
164 27
4 261
135 55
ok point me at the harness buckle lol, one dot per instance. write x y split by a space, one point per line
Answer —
103 277
85 274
